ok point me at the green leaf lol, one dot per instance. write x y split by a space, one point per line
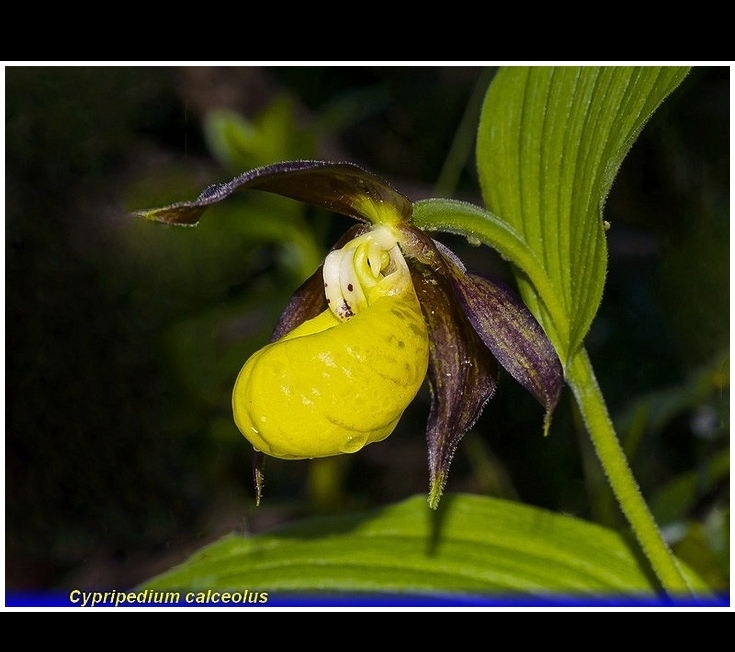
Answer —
471 546
550 142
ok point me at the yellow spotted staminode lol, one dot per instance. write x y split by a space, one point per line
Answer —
388 308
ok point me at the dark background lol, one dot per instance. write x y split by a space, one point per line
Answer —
123 338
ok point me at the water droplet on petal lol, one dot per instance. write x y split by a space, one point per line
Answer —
354 443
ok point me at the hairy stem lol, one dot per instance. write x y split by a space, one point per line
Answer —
581 378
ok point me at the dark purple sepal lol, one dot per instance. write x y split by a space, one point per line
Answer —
462 375
340 187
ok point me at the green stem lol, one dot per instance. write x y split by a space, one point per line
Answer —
581 378
464 219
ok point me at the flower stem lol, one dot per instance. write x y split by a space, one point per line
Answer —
581 378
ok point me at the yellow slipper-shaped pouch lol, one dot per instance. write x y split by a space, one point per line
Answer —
343 379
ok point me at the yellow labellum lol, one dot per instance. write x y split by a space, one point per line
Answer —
343 379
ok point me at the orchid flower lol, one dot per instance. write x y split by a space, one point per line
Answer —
389 307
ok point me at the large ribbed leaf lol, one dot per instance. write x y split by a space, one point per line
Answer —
472 547
550 142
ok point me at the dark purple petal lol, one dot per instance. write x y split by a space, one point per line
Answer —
462 374
510 331
340 187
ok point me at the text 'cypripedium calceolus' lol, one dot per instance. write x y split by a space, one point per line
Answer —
388 307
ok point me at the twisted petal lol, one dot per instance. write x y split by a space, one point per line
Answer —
462 375
462 371
474 323
511 332
341 187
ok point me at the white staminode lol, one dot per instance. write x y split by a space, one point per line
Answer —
350 273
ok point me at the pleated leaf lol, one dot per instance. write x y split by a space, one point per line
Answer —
550 142
472 546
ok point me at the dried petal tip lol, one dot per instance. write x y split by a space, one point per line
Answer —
258 477
547 420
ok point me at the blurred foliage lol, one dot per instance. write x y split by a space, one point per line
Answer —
123 338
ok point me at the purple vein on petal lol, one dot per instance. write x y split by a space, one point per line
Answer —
510 331
462 375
